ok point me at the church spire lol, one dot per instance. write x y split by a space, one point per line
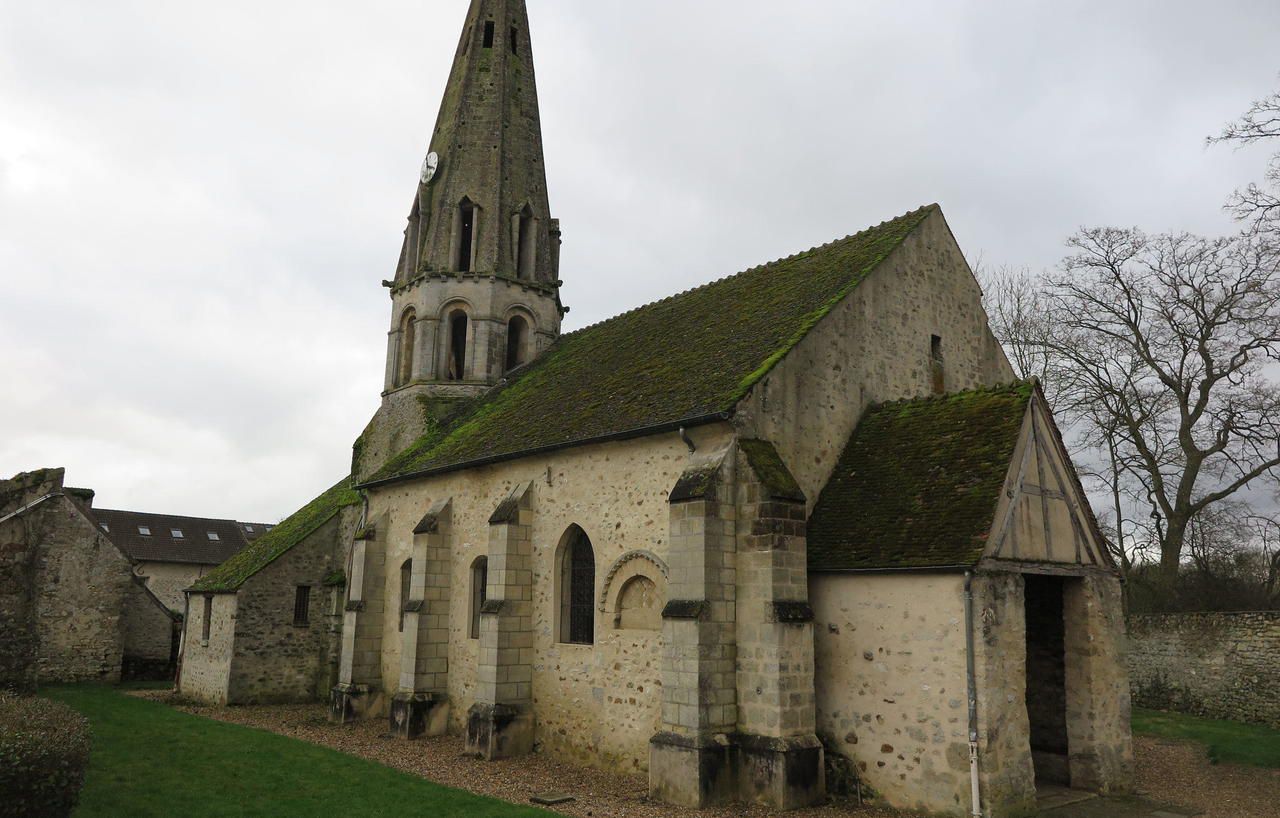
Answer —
481 206
476 291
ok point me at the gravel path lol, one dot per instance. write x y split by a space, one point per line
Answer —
1180 773
441 760
1172 772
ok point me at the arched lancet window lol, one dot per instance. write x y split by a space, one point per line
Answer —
524 237
517 341
577 589
466 223
479 592
406 349
456 365
406 583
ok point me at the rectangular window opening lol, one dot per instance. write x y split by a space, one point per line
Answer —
176 533
144 530
938 370
213 535
302 606
515 40
105 527
488 34
208 617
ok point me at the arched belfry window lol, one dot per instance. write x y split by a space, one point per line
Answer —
405 350
524 238
479 593
577 588
458 326
466 225
517 342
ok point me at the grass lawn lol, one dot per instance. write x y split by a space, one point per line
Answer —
1228 741
151 760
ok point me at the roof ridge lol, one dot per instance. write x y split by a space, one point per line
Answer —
1010 386
755 268
173 516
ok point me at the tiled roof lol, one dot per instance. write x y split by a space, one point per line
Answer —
918 483
689 358
269 547
162 543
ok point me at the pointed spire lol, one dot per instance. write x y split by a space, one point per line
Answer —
483 206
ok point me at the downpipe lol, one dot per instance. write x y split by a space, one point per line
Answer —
972 679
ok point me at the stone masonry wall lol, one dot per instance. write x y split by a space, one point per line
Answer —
1219 665
18 552
82 584
875 346
890 670
276 660
148 635
598 704
206 663
168 580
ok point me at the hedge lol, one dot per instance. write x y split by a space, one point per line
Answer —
44 750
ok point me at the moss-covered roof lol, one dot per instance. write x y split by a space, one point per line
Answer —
687 359
918 484
233 573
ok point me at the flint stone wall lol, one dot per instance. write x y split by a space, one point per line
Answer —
1218 665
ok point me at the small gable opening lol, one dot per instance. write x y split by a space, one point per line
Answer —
479 593
458 327
517 339
405 348
937 369
577 589
488 34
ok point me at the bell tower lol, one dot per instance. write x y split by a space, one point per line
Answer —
476 290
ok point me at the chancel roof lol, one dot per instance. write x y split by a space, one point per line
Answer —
685 360
918 483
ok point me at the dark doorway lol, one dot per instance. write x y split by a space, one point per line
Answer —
1047 679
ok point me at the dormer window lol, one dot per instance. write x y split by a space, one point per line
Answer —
213 535
176 533
144 530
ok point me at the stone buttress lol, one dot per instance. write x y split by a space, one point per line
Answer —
421 704
737 693
360 669
500 723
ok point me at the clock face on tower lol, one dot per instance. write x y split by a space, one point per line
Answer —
429 167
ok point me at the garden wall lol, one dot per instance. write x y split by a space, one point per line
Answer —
1220 665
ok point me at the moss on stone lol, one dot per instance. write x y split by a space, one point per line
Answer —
918 483
771 471
691 357
268 548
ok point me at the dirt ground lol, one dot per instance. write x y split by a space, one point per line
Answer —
1180 773
1172 772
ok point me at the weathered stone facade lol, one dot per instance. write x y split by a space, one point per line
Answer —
1219 665
68 586
258 650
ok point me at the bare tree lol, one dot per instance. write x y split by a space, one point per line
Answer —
1159 343
1261 123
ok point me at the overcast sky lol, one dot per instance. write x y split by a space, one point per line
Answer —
198 202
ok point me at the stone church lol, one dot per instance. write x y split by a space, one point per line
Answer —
791 529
